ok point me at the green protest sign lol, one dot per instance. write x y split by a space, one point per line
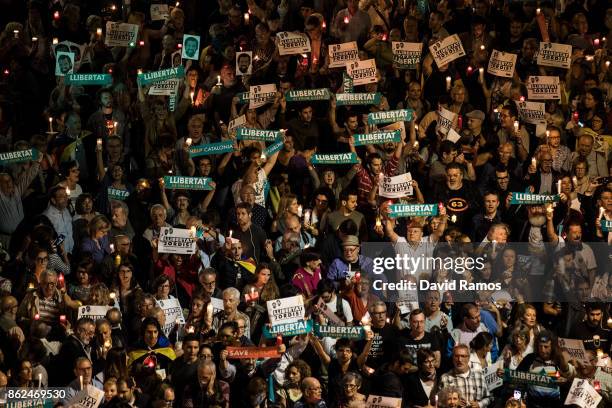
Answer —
533 199
413 210
338 332
287 329
345 99
88 79
363 139
399 115
117 194
147 78
347 83
18 156
243 97
273 148
606 225
211 148
298 95
30 403
525 378
334 158
261 135
187 183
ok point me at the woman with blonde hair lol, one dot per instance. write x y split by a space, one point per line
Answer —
97 243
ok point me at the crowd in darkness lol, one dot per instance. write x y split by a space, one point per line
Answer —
99 174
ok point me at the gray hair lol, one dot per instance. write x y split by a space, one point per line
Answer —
157 207
120 204
233 292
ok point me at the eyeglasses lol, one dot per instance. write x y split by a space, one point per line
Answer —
42 259
350 386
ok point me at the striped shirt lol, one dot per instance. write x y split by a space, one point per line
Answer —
472 386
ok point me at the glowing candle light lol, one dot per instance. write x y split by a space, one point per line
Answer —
218 79
596 42
534 162
247 18
559 186
51 125
112 248
55 41
34 39
99 142
56 15
346 20
516 126
189 141
67 191
602 211
39 380
16 33
448 83
112 295
481 74
575 181
453 218
307 217
299 210
99 32
36 316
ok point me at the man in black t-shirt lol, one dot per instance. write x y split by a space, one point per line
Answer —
417 338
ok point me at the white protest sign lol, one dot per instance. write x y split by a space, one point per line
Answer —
543 87
362 72
286 310
89 397
341 54
244 63
447 50
121 34
93 312
333 318
582 394
173 312
166 88
502 64
235 124
531 112
445 121
259 95
573 349
217 304
554 55
406 54
159 12
491 378
396 186
64 63
605 379
452 135
176 241
191 47
376 401
292 43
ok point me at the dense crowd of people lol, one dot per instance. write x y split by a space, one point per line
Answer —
195 195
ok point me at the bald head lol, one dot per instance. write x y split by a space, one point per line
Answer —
311 388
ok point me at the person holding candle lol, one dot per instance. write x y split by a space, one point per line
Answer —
308 276
97 243
153 349
351 23
76 346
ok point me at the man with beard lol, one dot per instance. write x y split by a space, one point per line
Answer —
591 331
488 216
108 120
471 383
344 134
305 128
544 181
423 385
223 94
457 195
75 346
195 129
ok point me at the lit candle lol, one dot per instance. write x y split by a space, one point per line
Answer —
36 316
596 42
189 141
115 126
607 64
346 20
112 248
107 344
384 37
16 33
307 217
141 43
534 162
559 187
34 39
324 26
448 83
263 157
51 125
610 322
68 191
81 381
602 211
230 234
60 279
56 15
247 18
416 145
481 74
219 80
378 222
99 142
113 7
516 126
178 3
357 277
193 231
191 96
538 11
522 98
482 47
547 134
39 380
299 210
470 69
112 295
139 71
99 32
62 318
55 41
453 218
575 181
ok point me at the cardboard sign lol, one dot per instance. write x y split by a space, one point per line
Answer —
491 378
543 87
261 135
406 55
147 78
522 377
338 332
260 95
298 95
93 312
176 241
165 88
334 158
573 349
328 313
88 397
120 34
502 64
554 55
159 12
177 58
376 401
64 63
252 352
292 43
345 99
18 156
447 50
88 79
362 72
582 394
396 186
533 199
342 54
286 310
413 210
211 148
288 329
191 47
244 63
117 194
400 115
453 136
531 112
445 121
173 312
362 139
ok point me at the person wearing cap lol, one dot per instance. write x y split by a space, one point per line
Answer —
475 120
350 262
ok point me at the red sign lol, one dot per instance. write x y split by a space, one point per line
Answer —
252 352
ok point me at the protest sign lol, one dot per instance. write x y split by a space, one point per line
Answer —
252 352
334 158
121 34
543 87
533 199
298 95
604 376
261 135
362 139
502 64
531 112
187 183
147 78
376 401
400 115
413 210
286 310
341 54
554 55
191 47
93 312
491 378
117 194
28 402
244 63
406 55
582 394
445 121
217 304
18 156
328 313
290 43
176 241
452 135
260 95
64 63
165 88
88 79
338 332
525 378
235 124
173 312
345 99
159 12
347 83
395 126
395 187
287 329
447 50
573 349
274 147
211 148
606 225
88 397
362 72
